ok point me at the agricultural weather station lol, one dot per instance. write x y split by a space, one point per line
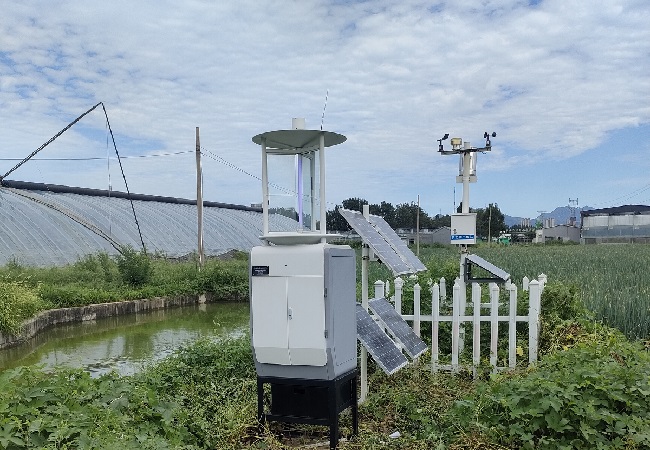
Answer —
302 290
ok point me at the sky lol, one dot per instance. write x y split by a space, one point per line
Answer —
565 84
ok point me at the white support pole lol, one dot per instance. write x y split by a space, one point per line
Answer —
534 302
379 289
466 175
265 191
323 203
416 308
365 256
312 172
462 300
476 326
435 325
399 283
494 324
512 326
455 324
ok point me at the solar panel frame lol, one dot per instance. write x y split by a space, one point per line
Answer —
377 242
398 327
396 242
499 274
380 346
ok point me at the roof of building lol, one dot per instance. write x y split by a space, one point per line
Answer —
48 225
617 210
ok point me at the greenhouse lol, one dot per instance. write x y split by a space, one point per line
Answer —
621 224
48 225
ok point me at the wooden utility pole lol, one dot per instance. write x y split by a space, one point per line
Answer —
199 199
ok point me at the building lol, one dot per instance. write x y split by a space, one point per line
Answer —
620 224
440 235
564 233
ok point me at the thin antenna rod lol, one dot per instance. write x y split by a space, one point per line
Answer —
322 119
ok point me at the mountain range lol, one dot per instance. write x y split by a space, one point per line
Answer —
561 214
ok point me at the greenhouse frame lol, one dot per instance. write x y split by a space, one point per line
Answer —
620 224
54 225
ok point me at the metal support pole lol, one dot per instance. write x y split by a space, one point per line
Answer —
265 191
365 256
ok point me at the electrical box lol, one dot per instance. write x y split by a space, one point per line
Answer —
303 317
463 228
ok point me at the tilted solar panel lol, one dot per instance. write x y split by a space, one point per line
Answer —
381 347
398 244
398 327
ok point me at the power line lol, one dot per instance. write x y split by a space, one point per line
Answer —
95 158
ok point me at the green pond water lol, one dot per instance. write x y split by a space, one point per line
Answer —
126 344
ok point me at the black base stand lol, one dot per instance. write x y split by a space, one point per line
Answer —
314 402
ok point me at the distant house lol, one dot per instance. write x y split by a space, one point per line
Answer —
621 224
440 235
562 233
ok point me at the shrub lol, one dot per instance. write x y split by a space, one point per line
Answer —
18 302
134 267
595 395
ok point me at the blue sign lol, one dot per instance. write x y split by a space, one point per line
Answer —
459 237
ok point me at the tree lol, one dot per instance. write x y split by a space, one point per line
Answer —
490 221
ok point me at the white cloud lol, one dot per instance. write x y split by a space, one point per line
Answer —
553 79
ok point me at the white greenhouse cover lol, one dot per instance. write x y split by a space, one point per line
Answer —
53 227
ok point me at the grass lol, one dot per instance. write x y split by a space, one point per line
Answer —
25 291
589 390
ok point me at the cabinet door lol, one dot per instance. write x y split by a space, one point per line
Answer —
270 317
306 305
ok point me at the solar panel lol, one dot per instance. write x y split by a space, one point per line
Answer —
377 243
398 327
498 274
398 244
382 348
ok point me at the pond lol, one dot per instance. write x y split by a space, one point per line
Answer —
126 344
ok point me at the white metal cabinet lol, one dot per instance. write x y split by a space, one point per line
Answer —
289 310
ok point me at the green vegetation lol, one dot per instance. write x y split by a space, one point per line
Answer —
611 280
25 291
590 388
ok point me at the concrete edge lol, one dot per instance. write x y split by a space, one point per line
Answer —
51 317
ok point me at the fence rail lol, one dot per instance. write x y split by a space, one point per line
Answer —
459 317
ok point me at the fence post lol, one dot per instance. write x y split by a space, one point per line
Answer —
416 309
379 289
525 282
387 287
542 278
443 289
494 324
435 321
512 327
535 300
399 283
476 327
455 325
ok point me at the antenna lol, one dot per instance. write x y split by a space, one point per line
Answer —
322 119
573 204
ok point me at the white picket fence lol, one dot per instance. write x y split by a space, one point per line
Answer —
459 318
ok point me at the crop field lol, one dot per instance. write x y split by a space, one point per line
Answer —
614 280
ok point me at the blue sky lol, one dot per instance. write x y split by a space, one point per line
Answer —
564 84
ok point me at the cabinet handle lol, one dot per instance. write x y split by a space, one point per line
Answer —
290 313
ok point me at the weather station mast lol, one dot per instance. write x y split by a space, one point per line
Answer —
463 224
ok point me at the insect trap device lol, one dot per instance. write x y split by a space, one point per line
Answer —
302 289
